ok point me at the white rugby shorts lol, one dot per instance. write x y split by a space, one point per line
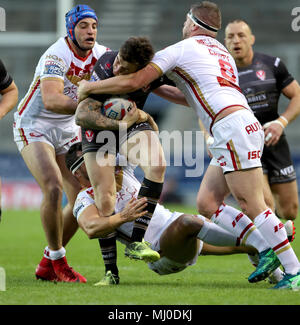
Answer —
60 138
238 142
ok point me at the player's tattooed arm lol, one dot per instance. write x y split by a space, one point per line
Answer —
88 115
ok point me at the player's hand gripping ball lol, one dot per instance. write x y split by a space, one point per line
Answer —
116 107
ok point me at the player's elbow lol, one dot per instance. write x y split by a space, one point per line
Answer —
92 230
79 116
49 104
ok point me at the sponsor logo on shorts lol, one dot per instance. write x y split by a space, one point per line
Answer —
254 154
253 127
74 139
287 170
35 135
89 135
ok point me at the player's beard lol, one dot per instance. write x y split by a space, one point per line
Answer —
85 47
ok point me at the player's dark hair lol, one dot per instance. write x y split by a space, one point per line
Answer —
137 50
73 154
208 12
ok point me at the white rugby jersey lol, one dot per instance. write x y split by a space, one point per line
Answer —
128 187
58 62
205 72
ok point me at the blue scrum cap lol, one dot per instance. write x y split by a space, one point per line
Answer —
75 15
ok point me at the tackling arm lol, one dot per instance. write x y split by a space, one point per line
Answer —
122 84
95 225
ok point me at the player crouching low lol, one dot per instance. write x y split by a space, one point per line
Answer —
179 238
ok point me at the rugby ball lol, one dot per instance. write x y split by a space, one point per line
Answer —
116 107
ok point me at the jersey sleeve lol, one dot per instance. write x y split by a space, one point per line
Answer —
53 66
5 78
282 75
83 201
167 58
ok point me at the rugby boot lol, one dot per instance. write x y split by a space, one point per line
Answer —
109 279
289 281
141 251
65 273
44 270
268 262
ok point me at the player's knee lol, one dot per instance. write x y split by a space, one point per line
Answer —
206 207
290 211
187 223
158 171
53 190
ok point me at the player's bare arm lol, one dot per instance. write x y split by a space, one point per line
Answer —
9 99
54 99
276 127
172 94
88 115
121 84
95 225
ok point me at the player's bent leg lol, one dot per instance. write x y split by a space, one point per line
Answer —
212 191
40 160
101 172
102 176
144 149
179 241
286 197
242 184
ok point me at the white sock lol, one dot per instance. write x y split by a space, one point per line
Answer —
275 234
237 223
212 234
56 255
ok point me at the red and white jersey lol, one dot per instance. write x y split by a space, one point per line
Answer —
205 72
59 62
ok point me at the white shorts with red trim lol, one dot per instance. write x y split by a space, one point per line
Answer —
238 142
57 137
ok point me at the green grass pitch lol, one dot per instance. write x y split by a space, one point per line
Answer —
214 280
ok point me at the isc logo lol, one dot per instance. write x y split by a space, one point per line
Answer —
254 154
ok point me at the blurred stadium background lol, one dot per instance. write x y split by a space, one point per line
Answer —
33 25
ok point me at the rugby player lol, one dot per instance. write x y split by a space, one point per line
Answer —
263 78
44 129
8 100
206 73
178 237
134 54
